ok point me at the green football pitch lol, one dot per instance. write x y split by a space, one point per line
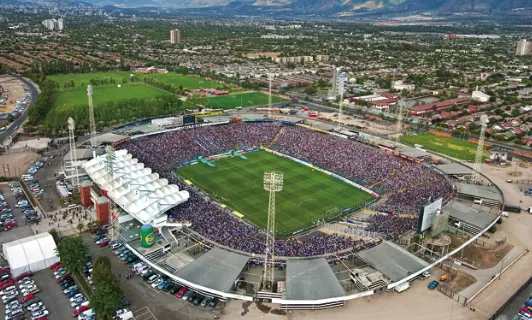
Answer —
307 195
247 99
456 148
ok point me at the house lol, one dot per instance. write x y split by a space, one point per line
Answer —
527 140
518 131
472 109
402 85
516 122
509 135
507 124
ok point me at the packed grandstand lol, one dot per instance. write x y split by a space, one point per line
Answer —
404 185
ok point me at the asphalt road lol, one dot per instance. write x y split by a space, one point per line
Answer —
18 122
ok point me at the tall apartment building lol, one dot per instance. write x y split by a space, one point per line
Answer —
524 47
53 24
175 36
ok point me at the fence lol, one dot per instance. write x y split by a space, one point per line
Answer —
452 294
477 241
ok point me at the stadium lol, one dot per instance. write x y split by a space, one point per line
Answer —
344 204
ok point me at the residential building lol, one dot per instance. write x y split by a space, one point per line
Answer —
402 85
524 47
480 96
53 24
438 106
175 36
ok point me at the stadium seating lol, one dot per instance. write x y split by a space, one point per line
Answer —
407 185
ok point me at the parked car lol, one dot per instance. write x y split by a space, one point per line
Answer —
79 295
103 243
30 302
23 275
182 292
80 309
433 284
35 306
38 314
27 298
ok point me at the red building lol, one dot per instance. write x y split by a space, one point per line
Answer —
438 106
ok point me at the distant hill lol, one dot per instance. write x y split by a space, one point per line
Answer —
328 7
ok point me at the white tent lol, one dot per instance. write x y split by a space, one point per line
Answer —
30 254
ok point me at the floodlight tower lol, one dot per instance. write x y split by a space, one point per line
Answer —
270 78
400 120
480 148
273 182
92 123
74 174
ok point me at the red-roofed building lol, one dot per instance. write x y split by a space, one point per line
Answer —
527 140
472 109
507 124
518 131
438 106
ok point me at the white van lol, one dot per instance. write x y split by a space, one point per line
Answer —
478 201
2 129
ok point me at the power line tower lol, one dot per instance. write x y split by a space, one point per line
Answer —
273 182
74 174
480 148
92 123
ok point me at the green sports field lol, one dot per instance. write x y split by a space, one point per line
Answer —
307 195
188 82
105 93
456 148
84 78
243 99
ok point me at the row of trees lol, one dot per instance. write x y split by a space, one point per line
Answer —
44 101
106 297
110 113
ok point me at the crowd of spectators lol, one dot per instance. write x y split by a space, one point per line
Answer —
408 185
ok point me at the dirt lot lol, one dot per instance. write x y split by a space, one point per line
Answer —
482 257
363 124
13 89
17 163
459 281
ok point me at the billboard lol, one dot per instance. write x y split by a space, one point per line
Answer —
189 119
427 214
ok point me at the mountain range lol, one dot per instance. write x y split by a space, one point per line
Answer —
327 7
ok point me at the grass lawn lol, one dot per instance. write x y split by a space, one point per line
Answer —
306 196
104 94
456 148
188 82
84 78
245 99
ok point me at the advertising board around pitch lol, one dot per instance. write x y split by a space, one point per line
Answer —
427 214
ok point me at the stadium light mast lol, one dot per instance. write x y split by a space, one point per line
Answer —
273 182
74 174
270 78
480 148
92 123
400 120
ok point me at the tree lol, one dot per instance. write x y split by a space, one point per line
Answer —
80 227
54 235
102 273
310 90
73 253
516 112
105 301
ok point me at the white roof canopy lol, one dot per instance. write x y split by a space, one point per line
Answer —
134 187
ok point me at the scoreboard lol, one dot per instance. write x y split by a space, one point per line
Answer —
189 119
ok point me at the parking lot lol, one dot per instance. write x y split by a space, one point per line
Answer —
147 302
22 230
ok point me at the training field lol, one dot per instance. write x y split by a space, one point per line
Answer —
456 148
307 195
84 78
236 100
188 82
104 94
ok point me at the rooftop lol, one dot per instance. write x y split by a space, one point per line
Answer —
311 279
469 215
217 269
392 260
